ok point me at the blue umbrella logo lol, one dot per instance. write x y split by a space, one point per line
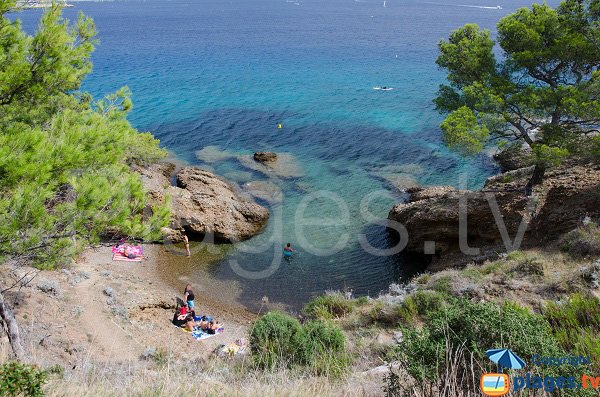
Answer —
505 358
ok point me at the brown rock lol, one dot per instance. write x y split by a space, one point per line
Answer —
559 204
265 157
424 193
203 204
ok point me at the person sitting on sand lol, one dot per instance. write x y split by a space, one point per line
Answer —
190 323
179 319
210 327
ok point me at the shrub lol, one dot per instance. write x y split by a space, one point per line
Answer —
278 340
328 306
419 304
478 327
582 242
18 379
443 285
528 267
328 345
575 323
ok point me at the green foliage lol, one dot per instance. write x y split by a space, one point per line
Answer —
462 131
278 340
18 379
575 323
420 304
477 326
64 160
443 285
582 242
328 345
546 80
328 306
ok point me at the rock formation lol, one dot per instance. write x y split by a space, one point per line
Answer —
265 157
558 205
203 204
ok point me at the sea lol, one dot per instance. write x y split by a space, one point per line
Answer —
217 80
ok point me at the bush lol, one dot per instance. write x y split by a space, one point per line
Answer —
477 326
328 345
419 304
18 379
328 306
582 242
278 340
575 323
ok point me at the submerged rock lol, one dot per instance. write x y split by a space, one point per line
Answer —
285 166
264 190
212 154
265 157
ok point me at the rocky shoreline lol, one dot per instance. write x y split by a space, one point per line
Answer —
567 195
203 206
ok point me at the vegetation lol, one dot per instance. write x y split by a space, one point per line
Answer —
278 340
64 159
546 82
328 306
583 241
576 324
18 379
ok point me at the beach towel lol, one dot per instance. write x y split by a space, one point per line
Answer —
118 253
198 333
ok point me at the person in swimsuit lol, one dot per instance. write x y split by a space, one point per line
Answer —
288 250
186 241
188 295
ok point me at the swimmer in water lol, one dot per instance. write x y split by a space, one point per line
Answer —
288 250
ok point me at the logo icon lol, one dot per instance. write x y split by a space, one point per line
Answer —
494 384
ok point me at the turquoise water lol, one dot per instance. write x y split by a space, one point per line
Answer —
225 73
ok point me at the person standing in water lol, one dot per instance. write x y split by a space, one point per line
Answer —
187 244
188 296
288 250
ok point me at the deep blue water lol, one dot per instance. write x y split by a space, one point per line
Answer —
225 73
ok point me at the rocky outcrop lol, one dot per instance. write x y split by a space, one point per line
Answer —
203 204
265 157
514 157
558 205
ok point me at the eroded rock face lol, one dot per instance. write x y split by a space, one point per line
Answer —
203 204
557 206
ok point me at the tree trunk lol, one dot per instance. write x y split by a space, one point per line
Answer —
12 329
536 178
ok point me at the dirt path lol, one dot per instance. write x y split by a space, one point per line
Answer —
107 338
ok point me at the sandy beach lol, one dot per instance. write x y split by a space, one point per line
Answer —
108 311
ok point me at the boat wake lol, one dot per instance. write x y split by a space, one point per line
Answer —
468 6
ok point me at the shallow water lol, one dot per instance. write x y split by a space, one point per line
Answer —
224 74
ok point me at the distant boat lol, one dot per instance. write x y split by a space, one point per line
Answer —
384 3
383 88
499 7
